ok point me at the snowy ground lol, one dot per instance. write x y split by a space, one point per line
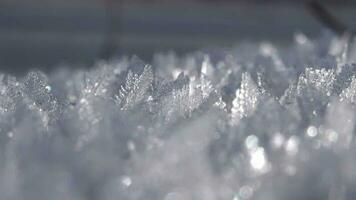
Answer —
251 122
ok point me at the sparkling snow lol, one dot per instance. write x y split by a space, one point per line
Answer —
252 122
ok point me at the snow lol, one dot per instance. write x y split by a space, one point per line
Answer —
251 122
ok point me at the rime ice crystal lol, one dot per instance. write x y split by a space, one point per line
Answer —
253 122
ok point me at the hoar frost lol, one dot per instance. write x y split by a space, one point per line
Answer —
253 122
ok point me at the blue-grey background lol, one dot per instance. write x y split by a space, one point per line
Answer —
47 33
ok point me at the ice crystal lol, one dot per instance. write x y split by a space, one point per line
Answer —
135 88
252 122
10 93
247 97
348 93
39 97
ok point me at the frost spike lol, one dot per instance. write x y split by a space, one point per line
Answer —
135 88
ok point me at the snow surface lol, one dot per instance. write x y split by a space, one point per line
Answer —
252 122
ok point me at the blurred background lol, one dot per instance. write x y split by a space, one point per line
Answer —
47 33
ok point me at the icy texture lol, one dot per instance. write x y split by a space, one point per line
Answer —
253 122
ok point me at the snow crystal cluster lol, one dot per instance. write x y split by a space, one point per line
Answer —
252 122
